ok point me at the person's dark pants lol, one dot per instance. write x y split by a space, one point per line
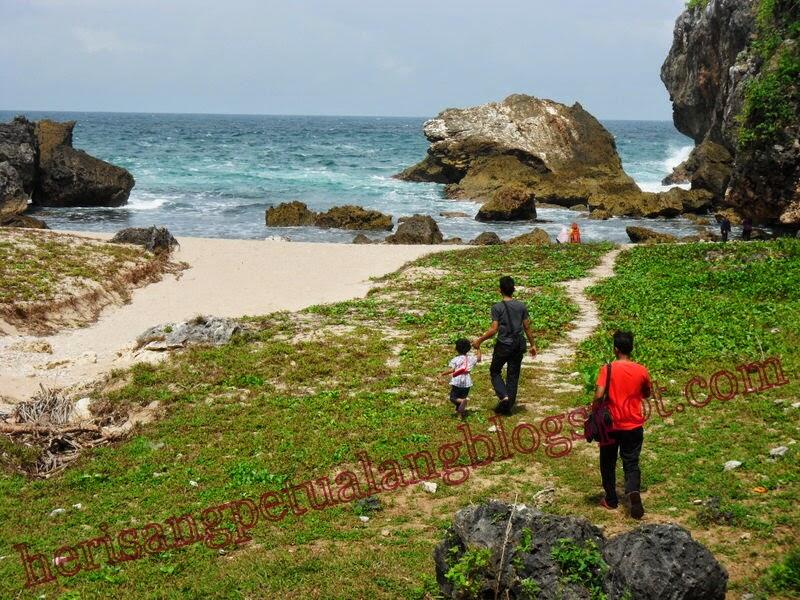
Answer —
629 446
724 236
513 359
458 393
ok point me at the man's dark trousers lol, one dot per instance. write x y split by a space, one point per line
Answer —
501 356
629 446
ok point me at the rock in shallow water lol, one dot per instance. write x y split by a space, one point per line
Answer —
419 229
509 203
487 238
289 214
353 217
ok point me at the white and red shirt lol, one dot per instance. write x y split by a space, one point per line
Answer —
461 366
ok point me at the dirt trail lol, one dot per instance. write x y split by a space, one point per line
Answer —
547 364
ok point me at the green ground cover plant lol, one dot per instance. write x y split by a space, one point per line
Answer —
296 396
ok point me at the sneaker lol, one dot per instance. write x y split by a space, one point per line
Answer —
604 503
637 509
503 407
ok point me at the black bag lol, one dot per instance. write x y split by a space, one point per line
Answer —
518 345
599 422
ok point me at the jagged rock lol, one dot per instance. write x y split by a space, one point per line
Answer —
419 229
663 562
644 235
579 208
487 238
645 204
509 203
452 214
13 199
353 217
205 331
289 214
562 154
537 237
680 174
362 239
25 221
711 166
18 147
155 239
70 177
600 215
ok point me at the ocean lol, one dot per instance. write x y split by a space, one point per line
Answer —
214 175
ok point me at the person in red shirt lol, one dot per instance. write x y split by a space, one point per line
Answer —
630 386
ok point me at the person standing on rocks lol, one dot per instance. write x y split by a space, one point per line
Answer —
725 228
509 320
629 386
747 229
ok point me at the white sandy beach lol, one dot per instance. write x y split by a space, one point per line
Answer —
226 278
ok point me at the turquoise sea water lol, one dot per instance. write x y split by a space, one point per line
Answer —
214 175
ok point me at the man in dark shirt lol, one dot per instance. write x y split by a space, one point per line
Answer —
725 228
509 319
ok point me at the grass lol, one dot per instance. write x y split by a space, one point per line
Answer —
296 396
37 266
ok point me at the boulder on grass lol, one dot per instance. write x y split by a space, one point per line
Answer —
537 237
419 229
289 214
487 238
509 203
640 235
497 550
157 240
200 331
353 217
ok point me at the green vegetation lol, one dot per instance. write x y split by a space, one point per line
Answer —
530 588
462 574
694 4
581 564
37 266
784 577
772 99
296 396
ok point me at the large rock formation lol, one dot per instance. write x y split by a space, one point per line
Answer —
496 550
70 177
50 172
561 153
509 203
733 84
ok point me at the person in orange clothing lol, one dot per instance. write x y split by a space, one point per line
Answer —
575 234
629 386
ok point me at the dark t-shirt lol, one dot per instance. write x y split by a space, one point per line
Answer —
510 319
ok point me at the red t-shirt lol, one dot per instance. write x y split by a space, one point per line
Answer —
630 382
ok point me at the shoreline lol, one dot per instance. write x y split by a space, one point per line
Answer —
225 278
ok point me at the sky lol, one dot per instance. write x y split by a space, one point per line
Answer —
333 57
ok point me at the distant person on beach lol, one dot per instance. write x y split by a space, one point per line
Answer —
575 234
459 373
725 228
509 320
563 235
630 385
747 229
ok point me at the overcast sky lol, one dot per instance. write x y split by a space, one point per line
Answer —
336 57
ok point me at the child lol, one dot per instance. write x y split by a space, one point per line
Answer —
461 381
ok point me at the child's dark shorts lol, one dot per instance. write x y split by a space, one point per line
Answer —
458 393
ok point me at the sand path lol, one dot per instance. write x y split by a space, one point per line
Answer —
226 278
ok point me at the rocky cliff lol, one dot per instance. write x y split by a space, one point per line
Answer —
732 74
558 154
39 164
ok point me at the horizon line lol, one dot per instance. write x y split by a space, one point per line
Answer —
224 114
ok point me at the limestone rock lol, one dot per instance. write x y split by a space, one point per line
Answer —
453 214
663 562
13 199
70 177
454 241
419 229
600 215
642 234
646 204
509 203
157 240
562 154
680 174
18 147
487 238
579 208
353 217
659 562
537 237
289 214
362 239
25 221
206 331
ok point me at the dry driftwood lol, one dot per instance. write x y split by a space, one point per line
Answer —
16 428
